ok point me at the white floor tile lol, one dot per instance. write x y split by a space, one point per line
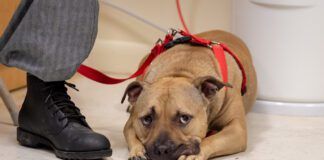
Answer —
271 137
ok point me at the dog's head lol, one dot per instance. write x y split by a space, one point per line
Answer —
170 115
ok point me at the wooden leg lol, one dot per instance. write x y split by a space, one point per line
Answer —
9 102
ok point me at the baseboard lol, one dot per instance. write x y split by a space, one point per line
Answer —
291 109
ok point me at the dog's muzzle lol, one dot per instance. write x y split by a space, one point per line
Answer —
166 149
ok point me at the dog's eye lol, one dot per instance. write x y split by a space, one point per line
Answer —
147 120
185 119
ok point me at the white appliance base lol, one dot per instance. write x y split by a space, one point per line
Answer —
291 109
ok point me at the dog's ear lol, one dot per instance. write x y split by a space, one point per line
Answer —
133 90
209 85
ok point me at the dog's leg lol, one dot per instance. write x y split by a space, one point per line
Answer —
231 139
233 136
136 148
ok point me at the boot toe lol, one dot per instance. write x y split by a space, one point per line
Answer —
78 138
94 142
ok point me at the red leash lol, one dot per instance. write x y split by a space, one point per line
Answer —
159 48
181 16
97 76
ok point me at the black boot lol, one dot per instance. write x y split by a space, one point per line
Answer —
49 118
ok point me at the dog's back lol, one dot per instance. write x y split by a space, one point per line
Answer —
192 62
241 50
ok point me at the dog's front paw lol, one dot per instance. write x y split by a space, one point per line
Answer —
192 157
137 153
137 158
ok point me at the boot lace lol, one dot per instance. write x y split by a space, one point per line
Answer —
60 98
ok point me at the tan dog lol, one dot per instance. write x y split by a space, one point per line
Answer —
181 97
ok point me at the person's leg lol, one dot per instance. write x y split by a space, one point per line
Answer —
49 39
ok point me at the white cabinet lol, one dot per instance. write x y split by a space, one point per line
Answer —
286 39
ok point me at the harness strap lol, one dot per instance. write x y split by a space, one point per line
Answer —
220 56
240 65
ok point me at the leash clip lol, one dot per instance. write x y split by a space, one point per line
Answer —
173 32
159 41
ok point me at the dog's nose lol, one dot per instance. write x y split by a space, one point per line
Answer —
162 150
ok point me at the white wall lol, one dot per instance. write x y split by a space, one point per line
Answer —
200 15
123 40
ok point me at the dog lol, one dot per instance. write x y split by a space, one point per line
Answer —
181 97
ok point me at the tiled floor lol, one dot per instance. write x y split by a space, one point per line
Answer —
270 137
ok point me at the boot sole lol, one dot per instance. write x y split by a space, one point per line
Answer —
32 140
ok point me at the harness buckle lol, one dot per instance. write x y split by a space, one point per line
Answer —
213 43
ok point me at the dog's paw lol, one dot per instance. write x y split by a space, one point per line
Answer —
137 153
192 157
137 158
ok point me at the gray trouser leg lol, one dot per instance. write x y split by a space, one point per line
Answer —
50 38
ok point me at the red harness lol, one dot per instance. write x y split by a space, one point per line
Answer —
159 48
